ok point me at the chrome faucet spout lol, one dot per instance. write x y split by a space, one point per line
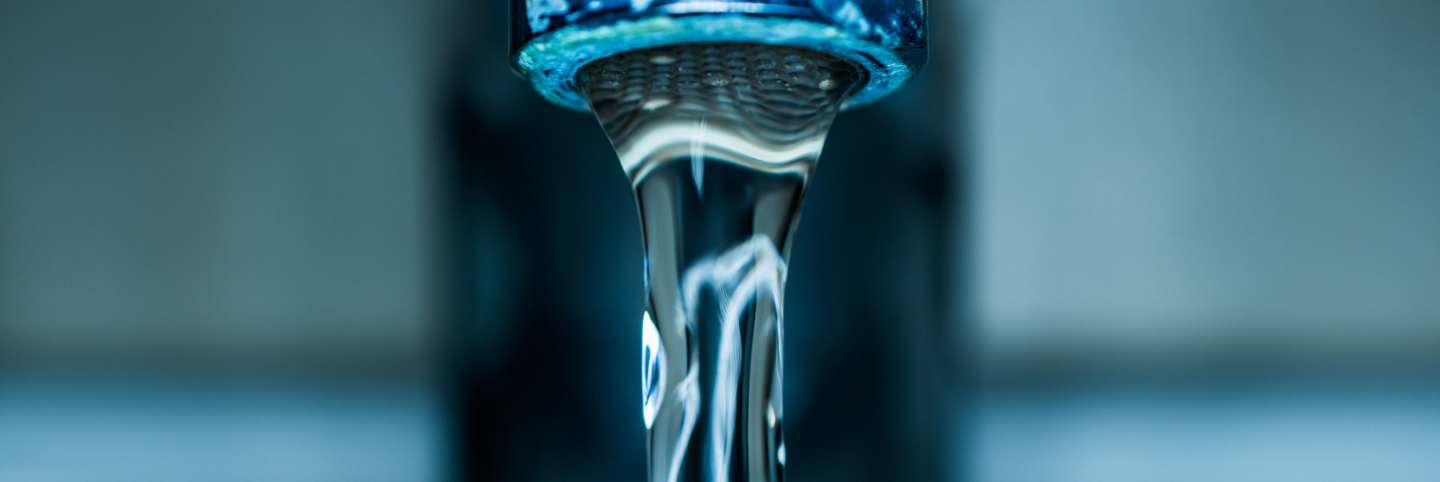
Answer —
551 40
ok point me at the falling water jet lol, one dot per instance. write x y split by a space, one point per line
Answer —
717 110
718 141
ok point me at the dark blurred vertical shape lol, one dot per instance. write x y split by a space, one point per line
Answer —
870 362
545 275
545 280
959 362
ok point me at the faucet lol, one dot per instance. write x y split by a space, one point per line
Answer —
749 88
551 40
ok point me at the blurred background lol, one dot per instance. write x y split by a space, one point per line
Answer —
1106 241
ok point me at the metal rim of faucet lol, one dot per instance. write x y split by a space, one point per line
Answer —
552 59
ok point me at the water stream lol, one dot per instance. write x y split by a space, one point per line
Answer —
718 141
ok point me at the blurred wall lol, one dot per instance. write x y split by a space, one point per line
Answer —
1205 186
216 186
216 222
1205 244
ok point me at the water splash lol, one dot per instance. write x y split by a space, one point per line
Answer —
719 141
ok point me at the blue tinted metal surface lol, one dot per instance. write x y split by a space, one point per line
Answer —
552 39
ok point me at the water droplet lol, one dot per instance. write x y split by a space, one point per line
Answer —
828 84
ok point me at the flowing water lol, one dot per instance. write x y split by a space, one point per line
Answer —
718 141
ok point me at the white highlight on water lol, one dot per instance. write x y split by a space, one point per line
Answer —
697 156
672 139
746 273
652 369
719 141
